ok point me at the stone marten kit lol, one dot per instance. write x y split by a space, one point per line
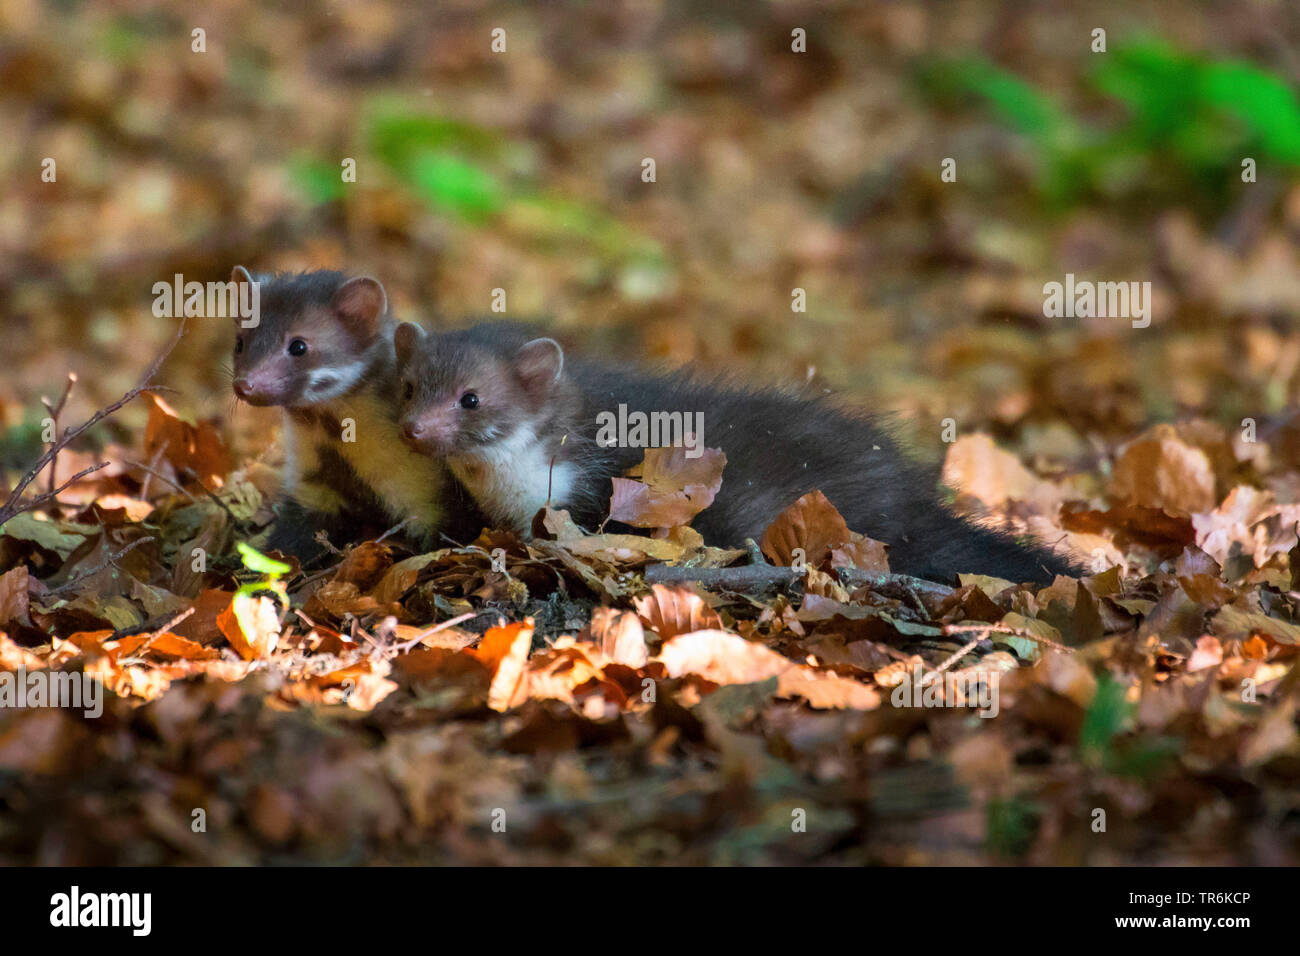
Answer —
322 351
487 425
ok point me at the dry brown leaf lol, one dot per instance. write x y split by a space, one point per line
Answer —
721 657
1208 653
167 644
669 611
14 597
866 554
559 670
1160 470
671 490
1154 528
13 657
202 625
812 525
116 509
365 564
1249 522
827 691
196 449
975 466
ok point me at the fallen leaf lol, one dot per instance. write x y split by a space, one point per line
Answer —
504 651
669 611
807 529
668 488
251 625
1160 470
193 449
619 636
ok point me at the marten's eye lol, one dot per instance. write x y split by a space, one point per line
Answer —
239 344
469 400
408 393
297 347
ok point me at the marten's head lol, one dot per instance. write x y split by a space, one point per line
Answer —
463 392
314 339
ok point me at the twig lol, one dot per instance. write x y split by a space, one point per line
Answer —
54 495
763 577
111 560
150 470
394 529
54 412
954 658
405 646
986 629
185 491
14 504
138 656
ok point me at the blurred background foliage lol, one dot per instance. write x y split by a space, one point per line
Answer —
775 170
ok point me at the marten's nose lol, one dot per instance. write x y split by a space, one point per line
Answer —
242 388
411 431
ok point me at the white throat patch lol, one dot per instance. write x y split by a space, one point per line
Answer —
324 384
511 479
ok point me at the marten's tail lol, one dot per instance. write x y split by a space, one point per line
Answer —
941 545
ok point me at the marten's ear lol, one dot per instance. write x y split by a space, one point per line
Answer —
405 340
538 365
361 303
239 275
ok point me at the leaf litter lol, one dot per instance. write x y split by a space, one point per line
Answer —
385 707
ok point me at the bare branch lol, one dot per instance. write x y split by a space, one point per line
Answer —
54 412
54 493
186 492
757 578
15 505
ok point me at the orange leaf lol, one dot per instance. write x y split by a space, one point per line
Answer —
196 449
811 524
505 652
263 623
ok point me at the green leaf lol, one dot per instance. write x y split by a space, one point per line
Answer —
1264 102
455 185
397 136
255 560
1105 718
320 181
1010 825
1022 106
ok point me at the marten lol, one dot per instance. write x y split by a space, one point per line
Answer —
321 348
517 425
